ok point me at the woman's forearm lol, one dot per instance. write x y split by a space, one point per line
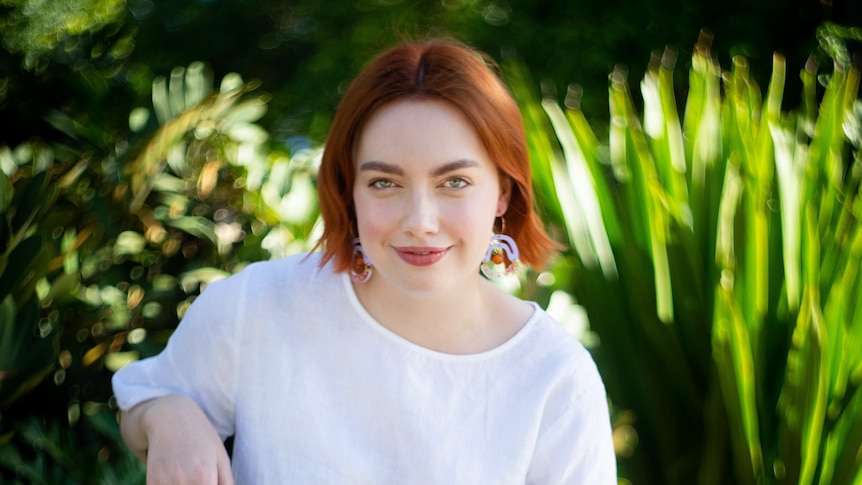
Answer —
173 436
136 424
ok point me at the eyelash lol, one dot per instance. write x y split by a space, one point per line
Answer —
462 183
381 184
451 183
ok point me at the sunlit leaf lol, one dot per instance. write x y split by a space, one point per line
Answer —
129 242
138 119
247 133
231 82
247 111
194 278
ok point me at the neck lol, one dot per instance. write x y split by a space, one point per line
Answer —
471 320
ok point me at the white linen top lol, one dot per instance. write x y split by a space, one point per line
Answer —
283 356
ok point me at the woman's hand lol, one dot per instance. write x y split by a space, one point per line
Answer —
177 442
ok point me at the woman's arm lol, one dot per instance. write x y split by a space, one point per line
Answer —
173 436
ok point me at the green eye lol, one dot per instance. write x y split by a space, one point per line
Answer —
382 184
456 183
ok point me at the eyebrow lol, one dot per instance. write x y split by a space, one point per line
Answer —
389 168
452 166
375 166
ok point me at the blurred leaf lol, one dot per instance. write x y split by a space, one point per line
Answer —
9 334
19 264
196 226
25 356
27 203
138 119
3 199
741 235
247 111
11 458
581 210
202 275
247 133
7 162
129 242
38 30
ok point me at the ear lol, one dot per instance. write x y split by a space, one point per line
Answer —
505 195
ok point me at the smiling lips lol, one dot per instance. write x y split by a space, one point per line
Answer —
421 256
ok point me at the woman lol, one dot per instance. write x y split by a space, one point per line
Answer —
386 358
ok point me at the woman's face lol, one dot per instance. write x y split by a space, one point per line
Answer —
426 195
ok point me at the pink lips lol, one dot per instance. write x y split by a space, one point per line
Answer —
421 256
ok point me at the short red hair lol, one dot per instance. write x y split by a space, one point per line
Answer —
450 72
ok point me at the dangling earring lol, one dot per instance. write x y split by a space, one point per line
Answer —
502 256
360 271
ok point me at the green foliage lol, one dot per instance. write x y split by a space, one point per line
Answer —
717 255
36 28
105 250
715 304
28 345
48 453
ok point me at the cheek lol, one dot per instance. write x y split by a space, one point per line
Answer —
373 221
369 230
472 221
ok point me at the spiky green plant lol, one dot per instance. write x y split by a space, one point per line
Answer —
717 254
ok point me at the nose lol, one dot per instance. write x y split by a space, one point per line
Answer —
420 214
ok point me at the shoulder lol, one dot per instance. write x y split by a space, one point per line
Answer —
563 358
574 442
296 265
297 269
263 283
267 295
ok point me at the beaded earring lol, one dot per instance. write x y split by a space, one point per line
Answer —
360 271
502 257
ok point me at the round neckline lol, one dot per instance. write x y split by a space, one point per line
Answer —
369 320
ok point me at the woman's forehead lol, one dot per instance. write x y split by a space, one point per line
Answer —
429 129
